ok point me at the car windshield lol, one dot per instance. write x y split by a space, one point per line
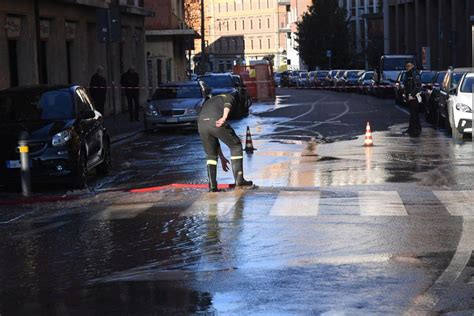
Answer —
456 78
440 78
177 92
37 106
395 63
368 75
427 77
322 74
303 75
218 81
467 84
353 74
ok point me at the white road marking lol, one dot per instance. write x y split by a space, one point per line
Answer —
381 203
121 211
458 203
215 204
296 203
403 110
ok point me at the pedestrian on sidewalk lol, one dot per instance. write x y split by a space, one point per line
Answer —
213 127
130 87
412 89
98 89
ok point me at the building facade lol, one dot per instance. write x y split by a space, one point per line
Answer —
294 10
168 38
241 31
66 48
439 31
365 19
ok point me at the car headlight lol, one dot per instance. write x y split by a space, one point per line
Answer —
61 138
192 112
151 110
463 108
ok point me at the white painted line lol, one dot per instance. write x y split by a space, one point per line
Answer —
121 211
296 203
458 203
428 301
381 203
403 110
214 204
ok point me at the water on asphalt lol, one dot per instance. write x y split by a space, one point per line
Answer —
331 228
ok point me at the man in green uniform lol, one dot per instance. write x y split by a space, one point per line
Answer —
213 127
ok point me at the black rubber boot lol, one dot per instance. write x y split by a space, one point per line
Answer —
238 170
212 176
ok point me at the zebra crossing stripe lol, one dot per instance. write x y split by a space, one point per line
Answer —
458 203
214 204
296 203
121 211
381 203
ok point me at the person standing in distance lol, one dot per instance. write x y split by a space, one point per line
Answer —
412 87
213 127
98 89
130 86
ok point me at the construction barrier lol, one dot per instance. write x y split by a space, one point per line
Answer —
258 79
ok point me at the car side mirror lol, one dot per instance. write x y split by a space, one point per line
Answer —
453 91
86 115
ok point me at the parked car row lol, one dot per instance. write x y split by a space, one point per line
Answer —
446 96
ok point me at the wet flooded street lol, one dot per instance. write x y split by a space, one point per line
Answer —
330 228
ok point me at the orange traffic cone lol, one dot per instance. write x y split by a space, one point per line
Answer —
249 149
368 136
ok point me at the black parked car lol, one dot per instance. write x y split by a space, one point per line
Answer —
226 83
67 137
399 88
431 97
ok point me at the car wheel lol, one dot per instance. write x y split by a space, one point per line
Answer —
80 174
106 165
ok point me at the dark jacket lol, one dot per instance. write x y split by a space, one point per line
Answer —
98 87
130 82
412 83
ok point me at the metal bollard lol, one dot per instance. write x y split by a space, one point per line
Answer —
25 165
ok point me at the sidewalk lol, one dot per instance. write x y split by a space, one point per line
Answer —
121 127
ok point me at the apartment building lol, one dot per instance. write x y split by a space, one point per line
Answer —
239 31
168 38
67 48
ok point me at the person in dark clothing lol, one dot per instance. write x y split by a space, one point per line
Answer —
98 89
412 88
130 87
213 127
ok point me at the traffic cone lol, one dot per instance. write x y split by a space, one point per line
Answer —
249 149
368 136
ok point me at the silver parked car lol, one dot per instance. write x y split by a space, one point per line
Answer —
174 105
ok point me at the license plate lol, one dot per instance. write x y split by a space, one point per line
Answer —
14 164
172 120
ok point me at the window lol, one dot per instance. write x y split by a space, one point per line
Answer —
268 3
251 44
235 25
259 23
227 25
235 44
260 43
226 7
251 24
235 6
220 26
268 22
268 42
13 63
243 24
